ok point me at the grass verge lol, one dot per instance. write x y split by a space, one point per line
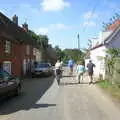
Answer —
111 89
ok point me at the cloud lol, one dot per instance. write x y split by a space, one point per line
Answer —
51 27
58 26
89 15
89 24
26 9
54 5
42 30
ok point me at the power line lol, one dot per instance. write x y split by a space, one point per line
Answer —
88 21
93 12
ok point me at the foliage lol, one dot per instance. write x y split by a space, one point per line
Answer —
42 40
33 35
60 54
110 61
89 44
110 88
74 54
86 51
66 54
112 53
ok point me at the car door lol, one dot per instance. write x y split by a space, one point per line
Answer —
7 85
3 85
11 84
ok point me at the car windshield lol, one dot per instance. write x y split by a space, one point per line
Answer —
43 65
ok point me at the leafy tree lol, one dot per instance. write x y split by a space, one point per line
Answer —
41 39
74 54
44 40
33 35
60 54
112 54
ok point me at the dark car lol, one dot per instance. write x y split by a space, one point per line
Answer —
42 69
9 85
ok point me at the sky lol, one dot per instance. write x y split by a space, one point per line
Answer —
62 20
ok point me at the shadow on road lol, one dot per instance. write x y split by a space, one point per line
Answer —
72 83
68 75
44 105
33 90
68 83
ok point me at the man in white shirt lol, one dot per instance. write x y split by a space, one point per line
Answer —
58 70
58 65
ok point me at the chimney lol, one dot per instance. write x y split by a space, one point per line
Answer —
25 27
15 19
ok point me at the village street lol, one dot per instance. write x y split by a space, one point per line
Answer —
43 99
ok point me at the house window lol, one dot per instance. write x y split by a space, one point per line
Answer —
7 46
28 50
7 66
34 51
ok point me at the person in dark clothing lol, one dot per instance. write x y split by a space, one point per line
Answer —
90 67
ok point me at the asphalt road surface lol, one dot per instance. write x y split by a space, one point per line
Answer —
43 99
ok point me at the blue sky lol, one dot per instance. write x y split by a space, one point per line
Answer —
62 20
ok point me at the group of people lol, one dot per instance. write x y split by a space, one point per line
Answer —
80 69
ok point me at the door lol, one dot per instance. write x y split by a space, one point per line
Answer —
24 66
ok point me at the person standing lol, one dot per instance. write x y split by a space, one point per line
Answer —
80 71
70 65
90 67
58 71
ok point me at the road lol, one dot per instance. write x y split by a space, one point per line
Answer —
43 99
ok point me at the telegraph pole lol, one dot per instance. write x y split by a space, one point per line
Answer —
78 41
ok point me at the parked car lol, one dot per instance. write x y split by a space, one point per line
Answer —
9 85
42 69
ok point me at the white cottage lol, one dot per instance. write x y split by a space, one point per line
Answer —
109 39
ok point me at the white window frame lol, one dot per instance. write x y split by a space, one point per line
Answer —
7 46
34 51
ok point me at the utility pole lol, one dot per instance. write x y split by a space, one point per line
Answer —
78 41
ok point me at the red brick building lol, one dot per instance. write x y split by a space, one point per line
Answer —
16 46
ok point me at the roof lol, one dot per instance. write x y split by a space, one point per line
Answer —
14 32
108 39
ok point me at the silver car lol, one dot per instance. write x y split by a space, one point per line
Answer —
42 69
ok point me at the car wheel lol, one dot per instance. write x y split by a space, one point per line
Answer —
33 76
18 90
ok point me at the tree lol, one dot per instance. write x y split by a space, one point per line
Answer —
33 35
42 40
112 53
60 54
74 54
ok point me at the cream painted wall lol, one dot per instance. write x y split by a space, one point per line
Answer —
97 56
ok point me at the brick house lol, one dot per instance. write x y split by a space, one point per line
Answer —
16 46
